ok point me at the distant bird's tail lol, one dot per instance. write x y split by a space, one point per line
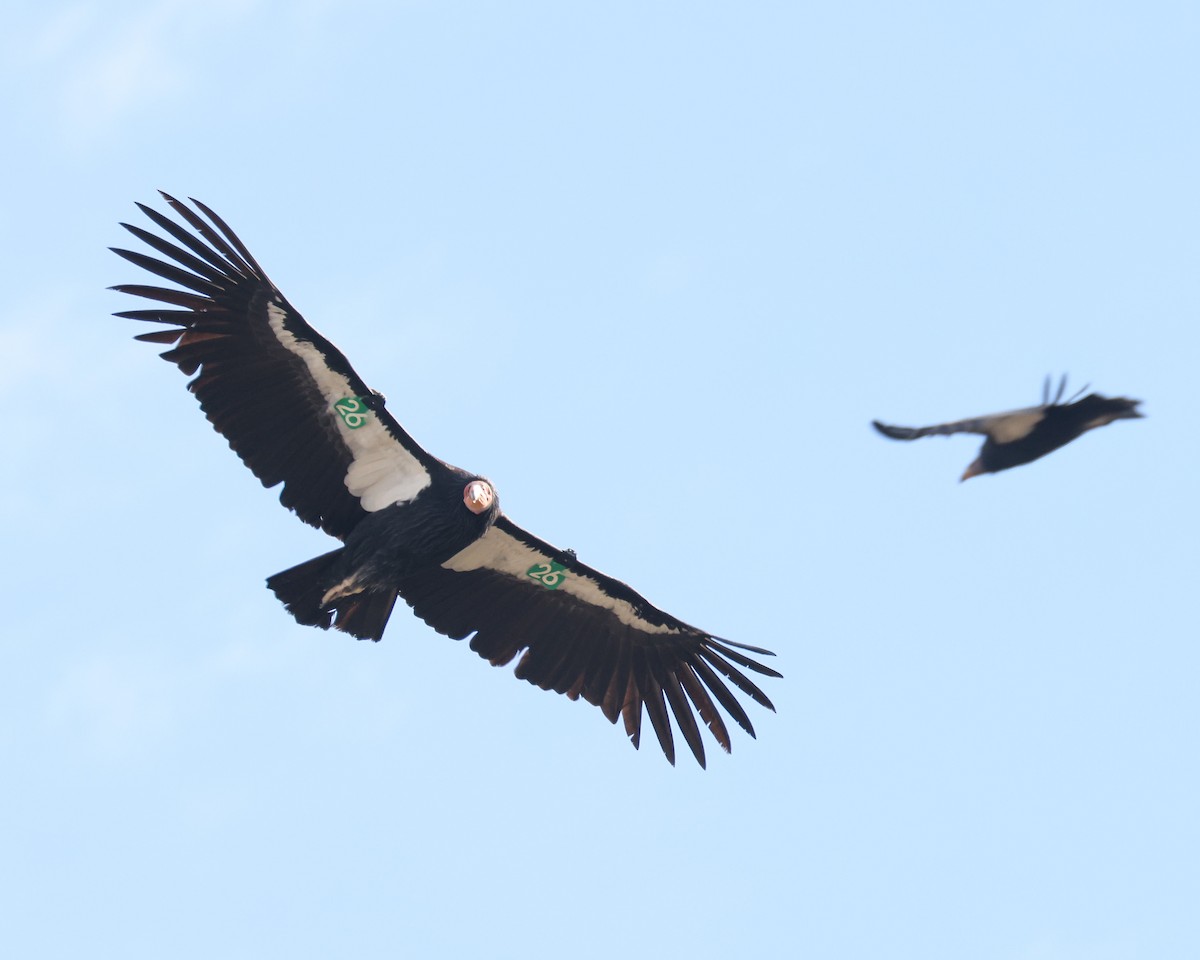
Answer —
304 587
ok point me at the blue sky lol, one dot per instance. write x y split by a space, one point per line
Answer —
652 268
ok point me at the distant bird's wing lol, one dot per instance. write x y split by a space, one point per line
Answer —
1001 427
1095 411
287 400
586 634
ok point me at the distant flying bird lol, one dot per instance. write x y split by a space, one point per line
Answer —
1021 436
413 526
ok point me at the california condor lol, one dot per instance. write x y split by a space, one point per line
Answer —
1021 436
412 526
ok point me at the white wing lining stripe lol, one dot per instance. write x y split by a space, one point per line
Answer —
382 472
498 551
1007 427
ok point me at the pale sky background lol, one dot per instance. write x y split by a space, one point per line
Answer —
653 268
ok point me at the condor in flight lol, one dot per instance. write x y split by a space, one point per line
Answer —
412 526
1022 436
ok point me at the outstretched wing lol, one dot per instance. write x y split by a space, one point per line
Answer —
1095 410
285 398
1001 427
586 634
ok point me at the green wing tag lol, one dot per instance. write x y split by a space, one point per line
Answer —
353 411
549 574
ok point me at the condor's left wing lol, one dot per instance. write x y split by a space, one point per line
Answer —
586 634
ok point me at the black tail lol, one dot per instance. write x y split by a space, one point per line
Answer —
300 588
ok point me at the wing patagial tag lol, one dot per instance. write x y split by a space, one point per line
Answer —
549 574
353 411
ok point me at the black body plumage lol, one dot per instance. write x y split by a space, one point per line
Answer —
413 526
404 538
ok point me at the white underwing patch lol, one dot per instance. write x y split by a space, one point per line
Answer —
496 550
1101 421
1008 427
382 472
